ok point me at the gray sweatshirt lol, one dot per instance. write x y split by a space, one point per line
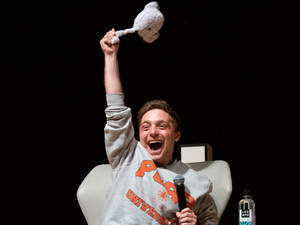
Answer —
142 192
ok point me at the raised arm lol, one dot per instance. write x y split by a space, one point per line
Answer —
119 133
112 81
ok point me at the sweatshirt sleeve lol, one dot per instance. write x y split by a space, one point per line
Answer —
119 132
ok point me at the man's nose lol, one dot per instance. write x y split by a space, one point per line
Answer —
153 131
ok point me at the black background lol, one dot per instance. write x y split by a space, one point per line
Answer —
229 68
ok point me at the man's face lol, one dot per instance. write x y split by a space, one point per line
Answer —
158 136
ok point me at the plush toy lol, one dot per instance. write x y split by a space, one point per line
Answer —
147 23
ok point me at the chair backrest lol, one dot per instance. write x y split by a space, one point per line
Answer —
94 189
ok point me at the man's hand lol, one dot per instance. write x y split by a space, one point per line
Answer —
186 217
107 47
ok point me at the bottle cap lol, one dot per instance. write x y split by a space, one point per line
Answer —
246 194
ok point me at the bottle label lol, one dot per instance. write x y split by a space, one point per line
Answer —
245 223
245 217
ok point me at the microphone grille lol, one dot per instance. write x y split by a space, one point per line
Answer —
179 179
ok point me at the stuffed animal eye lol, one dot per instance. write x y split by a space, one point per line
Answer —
149 28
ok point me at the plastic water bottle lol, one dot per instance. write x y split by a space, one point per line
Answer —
247 210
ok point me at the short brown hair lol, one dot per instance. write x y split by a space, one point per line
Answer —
163 105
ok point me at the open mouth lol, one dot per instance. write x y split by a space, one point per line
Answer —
155 145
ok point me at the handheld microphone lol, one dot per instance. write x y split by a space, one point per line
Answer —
178 181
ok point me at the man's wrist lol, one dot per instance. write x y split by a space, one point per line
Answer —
112 56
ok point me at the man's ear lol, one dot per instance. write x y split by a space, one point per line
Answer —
177 136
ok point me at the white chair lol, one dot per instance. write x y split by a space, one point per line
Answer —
94 189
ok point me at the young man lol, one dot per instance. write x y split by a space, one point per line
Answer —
143 191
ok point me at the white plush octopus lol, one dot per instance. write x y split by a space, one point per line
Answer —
147 23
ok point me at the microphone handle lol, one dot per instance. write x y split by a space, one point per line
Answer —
181 196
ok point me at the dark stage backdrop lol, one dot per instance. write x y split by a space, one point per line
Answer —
230 69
